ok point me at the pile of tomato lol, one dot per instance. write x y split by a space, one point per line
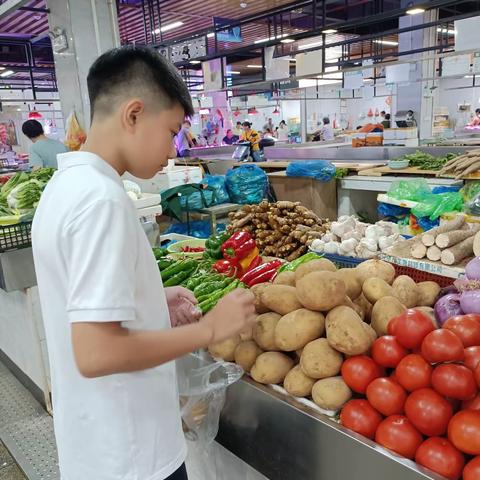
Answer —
419 393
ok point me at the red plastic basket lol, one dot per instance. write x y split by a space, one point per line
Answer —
422 276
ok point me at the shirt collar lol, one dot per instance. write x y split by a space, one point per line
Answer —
73 159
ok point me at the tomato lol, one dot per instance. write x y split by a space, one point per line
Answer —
464 431
359 371
387 396
473 404
399 435
454 381
361 417
387 352
466 328
442 346
472 357
428 411
472 469
440 456
477 374
413 372
391 326
411 327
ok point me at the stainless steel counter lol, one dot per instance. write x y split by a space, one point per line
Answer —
285 440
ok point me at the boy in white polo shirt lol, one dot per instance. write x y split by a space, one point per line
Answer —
105 310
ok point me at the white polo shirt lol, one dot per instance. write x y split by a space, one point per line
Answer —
94 264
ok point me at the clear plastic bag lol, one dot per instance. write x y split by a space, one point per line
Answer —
433 206
75 135
415 190
318 169
473 206
247 184
202 386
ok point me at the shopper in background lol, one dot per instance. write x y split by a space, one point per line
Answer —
326 132
269 125
476 120
382 115
229 138
253 137
410 119
43 151
387 121
282 132
183 140
238 129
107 316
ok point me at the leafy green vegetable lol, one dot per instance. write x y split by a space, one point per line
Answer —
43 174
425 161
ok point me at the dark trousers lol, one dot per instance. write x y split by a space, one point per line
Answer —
180 474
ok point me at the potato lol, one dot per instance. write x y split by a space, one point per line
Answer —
405 289
297 383
271 367
297 328
246 334
351 280
246 353
376 288
331 393
320 360
348 303
430 313
427 293
320 265
257 291
347 333
365 305
264 330
383 311
375 269
285 278
321 291
280 298
225 349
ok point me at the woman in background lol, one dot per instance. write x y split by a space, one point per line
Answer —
282 132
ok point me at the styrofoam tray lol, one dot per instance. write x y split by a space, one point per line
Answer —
147 200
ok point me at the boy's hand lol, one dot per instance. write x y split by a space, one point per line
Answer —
232 314
182 306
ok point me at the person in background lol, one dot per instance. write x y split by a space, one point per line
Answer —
268 134
229 138
387 121
268 125
326 132
282 132
476 120
410 119
237 131
382 115
183 141
43 151
253 137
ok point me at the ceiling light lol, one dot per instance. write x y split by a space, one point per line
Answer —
195 62
7 73
415 10
243 5
310 45
170 26
468 76
386 42
210 35
263 40
254 66
446 30
156 31
204 111
329 30
2 68
233 72
287 40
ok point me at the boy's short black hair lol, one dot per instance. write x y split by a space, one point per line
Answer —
32 128
136 71
246 124
477 111
326 120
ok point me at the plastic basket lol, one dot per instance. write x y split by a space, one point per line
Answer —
343 262
14 237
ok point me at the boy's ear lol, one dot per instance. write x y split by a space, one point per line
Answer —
133 108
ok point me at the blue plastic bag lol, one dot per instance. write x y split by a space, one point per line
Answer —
246 184
194 201
217 182
318 169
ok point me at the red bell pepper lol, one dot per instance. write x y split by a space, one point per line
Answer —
238 246
262 273
230 268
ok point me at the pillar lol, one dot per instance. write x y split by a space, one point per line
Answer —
91 28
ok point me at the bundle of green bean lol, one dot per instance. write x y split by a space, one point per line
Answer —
462 165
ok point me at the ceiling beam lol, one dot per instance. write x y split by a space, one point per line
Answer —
10 6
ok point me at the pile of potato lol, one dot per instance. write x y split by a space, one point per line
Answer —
311 318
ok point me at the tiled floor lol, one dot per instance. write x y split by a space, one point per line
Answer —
9 470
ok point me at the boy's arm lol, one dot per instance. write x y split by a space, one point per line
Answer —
107 348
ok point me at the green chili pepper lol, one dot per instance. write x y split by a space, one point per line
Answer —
159 252
164 263
209 303
292 266
177 267
177 279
